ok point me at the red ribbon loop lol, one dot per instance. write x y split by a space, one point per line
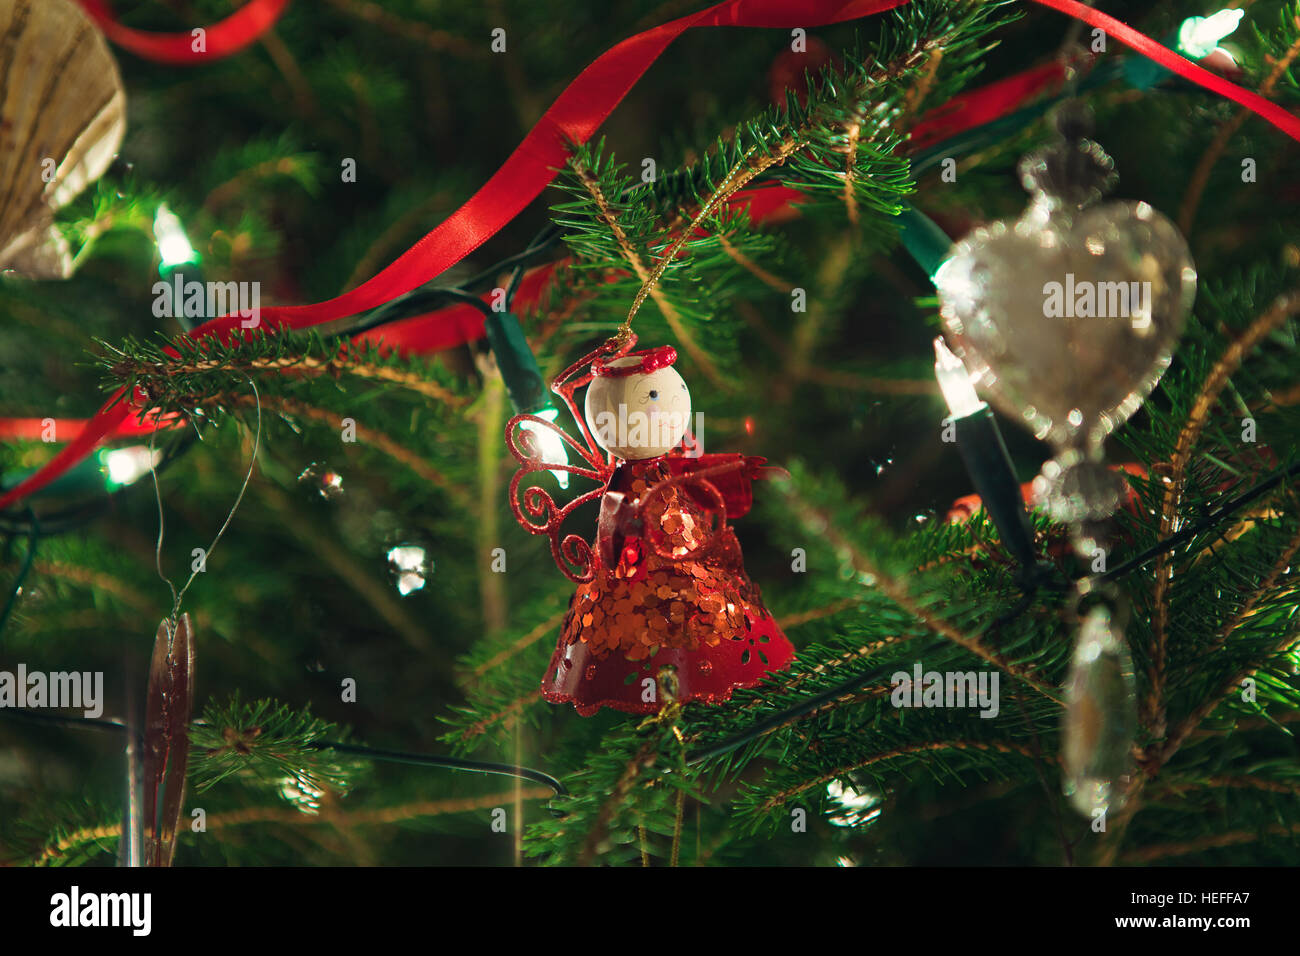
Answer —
242 28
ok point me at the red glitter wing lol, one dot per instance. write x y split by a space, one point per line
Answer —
535 510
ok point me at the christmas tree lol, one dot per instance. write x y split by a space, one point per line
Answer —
285 563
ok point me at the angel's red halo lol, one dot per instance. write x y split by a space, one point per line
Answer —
651 360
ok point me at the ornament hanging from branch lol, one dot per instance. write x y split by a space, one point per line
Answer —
1068 317
168 707
62 119
664 585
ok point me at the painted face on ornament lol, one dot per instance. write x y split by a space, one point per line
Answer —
638 406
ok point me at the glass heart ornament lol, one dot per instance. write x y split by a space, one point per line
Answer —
1069 315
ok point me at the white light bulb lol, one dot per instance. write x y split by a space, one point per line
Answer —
174 247
550 444
1198 36
955 382
126 466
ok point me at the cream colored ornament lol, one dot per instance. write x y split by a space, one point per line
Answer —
61 122
638 414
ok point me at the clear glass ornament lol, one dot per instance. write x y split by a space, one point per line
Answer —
1069 315
1100 715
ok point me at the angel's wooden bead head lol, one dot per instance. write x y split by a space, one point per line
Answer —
637 406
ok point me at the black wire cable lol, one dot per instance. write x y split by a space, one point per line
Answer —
357 750
1215 517
547 237
32 539
449 763
420 300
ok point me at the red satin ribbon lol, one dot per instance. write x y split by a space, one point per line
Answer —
575 116
222 39
33 429
455 325
983 105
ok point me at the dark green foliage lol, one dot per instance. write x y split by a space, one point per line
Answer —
814 767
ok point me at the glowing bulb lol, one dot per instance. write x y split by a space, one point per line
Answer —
126 466
174 248
857 807
954 382
301 793
550 444
1199 36
409 560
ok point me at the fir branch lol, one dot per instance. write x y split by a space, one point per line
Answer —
1230 782
531 637
299 168
643 273
783 797
144 371
917 94
756 161
1289 638
101 836
795 681
513 708
107 835
803 617
850 165
644 759
899 594
1214 841
1282 309
1282 565
439 41
767 278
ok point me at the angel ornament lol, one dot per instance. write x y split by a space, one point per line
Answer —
664 584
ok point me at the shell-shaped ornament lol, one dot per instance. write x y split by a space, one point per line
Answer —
62 118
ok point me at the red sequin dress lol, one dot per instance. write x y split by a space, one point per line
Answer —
697 612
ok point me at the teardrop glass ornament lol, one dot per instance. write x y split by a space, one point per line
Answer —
1100 716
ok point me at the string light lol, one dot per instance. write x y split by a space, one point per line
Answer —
1198 37
174 247
126 466
550 444
982 450
955 382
